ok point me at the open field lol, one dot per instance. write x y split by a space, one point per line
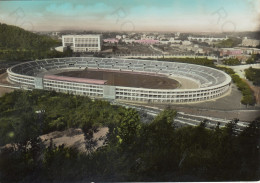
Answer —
126 79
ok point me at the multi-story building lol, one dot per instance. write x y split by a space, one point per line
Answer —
248 50
230 51
118 37
203 39
111 40
185 42
250 42
147 37
82 43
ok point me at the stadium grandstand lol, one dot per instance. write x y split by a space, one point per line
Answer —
198 83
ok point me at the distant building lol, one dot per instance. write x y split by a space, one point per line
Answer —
160 37
128 41
199 50
237 53
231 51
173 40
118 37
55 33
256 51
249 51
148 41
250 42
82 43
147 37
167 41
59 49
111 40
164 41
203 39
177 35
242 58
186 42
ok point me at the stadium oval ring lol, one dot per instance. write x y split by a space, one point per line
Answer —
210 83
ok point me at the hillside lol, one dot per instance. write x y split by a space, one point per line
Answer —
17 44
16 38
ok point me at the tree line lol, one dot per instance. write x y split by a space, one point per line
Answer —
232 61
253 75
248 95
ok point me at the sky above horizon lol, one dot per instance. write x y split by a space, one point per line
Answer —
133 15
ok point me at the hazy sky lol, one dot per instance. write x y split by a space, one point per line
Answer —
133 15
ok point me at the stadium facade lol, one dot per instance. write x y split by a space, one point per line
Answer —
82 43
210 83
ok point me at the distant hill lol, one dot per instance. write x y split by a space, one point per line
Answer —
12 37
17 44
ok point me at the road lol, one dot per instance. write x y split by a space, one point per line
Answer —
184 119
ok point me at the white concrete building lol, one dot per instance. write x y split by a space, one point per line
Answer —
118 37
173 40
250 42
177 34
82 43
198 83
170 40
185 42
147 37
128 41
203 39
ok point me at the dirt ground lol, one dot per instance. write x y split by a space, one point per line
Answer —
74 138
126 79
4 90
3 78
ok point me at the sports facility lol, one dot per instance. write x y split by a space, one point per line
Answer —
123 79
127 79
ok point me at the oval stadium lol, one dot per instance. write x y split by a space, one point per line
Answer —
123 79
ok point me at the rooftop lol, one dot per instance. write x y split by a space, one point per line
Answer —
81 35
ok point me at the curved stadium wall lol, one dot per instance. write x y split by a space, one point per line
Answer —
212 83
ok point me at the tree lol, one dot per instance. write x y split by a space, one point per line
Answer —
232 61
128 128
249 141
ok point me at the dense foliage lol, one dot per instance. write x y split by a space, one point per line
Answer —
253 59
53 111
16 38
253 75
135 151
17 44
248 94
229 43
231 61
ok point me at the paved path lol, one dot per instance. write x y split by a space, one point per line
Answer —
239 69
